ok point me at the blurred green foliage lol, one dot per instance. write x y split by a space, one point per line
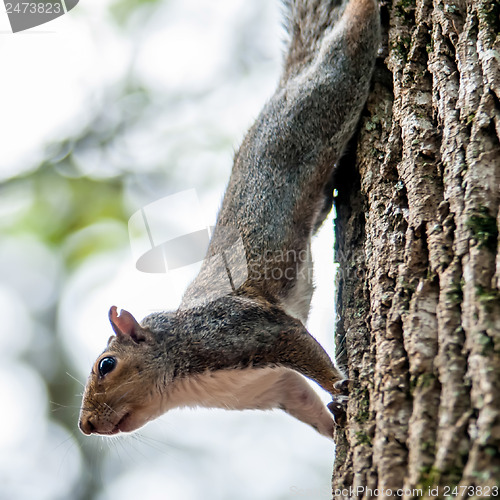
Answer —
123 9
133 144
60 206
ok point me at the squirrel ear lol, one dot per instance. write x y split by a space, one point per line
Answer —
125 325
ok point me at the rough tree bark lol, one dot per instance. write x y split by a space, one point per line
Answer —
419 254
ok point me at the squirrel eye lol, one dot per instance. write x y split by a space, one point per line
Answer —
106 365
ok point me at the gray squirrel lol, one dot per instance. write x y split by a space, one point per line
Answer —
238 340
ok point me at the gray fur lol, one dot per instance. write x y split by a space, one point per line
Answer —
247 308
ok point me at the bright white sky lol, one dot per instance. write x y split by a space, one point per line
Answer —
47 75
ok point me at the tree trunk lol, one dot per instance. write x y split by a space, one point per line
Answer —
417 243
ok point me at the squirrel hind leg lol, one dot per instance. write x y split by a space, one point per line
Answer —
305 23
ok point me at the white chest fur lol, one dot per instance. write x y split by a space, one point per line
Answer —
237 389
252 388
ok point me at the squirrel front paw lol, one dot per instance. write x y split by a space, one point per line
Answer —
342 386
338 408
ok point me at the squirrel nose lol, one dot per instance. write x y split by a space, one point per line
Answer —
86 426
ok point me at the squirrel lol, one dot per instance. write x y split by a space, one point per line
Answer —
238 340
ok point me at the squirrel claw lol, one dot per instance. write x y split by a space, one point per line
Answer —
338 407
342 386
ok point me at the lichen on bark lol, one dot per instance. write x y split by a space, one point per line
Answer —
418 248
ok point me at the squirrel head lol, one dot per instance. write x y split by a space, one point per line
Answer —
120 395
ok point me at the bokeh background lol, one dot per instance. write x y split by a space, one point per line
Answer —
103 111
